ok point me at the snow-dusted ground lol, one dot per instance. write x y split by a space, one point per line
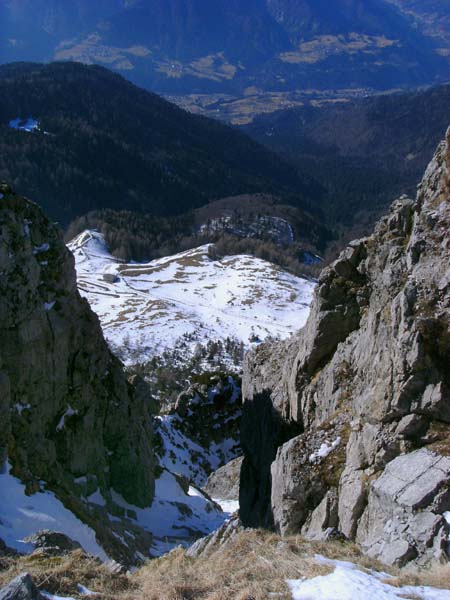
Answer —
21 516
174 516
348 582
182 455
29 125
149 307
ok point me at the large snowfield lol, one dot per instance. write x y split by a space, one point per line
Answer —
145 309
172 518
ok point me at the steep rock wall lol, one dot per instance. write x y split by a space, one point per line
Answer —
366 383
68 414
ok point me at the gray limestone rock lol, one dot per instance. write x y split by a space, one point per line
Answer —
352 499
371 365
220 537
224 483
324 520
21 588
67 411
403 517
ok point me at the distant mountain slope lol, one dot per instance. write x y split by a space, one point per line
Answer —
99 141
364 152
188 46
431 16
186 300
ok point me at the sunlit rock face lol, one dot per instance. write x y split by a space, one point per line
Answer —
341 422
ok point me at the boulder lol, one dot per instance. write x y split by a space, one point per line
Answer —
52 542
224 483
21 588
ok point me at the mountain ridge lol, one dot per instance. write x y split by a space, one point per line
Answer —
186 47
118 146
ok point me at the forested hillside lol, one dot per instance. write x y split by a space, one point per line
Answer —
97 141
364 152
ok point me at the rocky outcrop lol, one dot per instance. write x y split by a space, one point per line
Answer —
51 542
21 588
222 536
211 411
341 420
68 415
224 483
403 519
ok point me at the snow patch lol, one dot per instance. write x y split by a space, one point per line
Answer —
97 498
22 515
324 450
348 582
228 506
29 125
70 412
84 591
53 597
43 248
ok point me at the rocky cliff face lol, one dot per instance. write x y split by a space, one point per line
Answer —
346 425
68 415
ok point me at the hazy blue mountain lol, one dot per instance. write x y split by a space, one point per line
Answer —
186 46
365 152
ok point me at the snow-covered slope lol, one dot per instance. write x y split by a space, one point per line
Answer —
187 298
176 516
22 515
178 450
348 582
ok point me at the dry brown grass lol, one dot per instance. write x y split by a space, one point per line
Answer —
252 566
437 576
60 575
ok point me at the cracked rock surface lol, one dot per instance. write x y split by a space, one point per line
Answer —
364 389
